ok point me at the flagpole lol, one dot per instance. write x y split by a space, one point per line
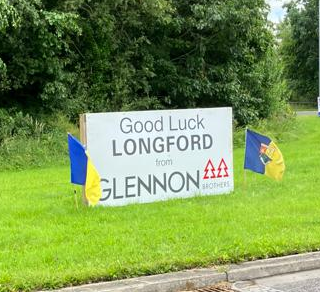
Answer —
244 170
75 199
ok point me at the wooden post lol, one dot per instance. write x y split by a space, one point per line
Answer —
83 140
244 170
75 199
245 180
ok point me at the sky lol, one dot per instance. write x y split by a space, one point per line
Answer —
277 12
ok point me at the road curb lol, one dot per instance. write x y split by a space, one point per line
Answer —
199 278
191 279
306 113
273 266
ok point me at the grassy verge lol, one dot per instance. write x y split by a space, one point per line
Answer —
46 242
27 143
304 106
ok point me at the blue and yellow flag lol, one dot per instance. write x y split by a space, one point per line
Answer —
83 171
263 156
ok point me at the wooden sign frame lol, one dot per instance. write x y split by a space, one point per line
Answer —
83 140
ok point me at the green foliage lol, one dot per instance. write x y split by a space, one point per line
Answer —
280 127
18 124
201 54
26 142
35 53
299 48
97 55
8 15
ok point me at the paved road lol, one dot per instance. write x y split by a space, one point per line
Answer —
308 281
307 113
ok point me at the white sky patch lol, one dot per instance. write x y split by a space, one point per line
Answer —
276 11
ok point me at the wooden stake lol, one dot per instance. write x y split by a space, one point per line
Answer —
245 180
83 140
244 170
75 199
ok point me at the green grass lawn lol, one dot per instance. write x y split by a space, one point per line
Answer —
46 242
309 106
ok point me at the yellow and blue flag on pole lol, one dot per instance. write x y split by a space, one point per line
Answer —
263 156
83 171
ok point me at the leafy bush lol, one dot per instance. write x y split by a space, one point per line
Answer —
26 142
281 127
18 124
79 56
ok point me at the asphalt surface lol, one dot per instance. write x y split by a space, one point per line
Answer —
307 113
296 282
307 281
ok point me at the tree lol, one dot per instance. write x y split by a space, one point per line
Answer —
35 55
98 55
299 48
177 54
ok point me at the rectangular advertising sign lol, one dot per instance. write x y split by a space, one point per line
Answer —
149 156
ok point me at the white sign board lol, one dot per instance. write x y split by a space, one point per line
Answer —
149 156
